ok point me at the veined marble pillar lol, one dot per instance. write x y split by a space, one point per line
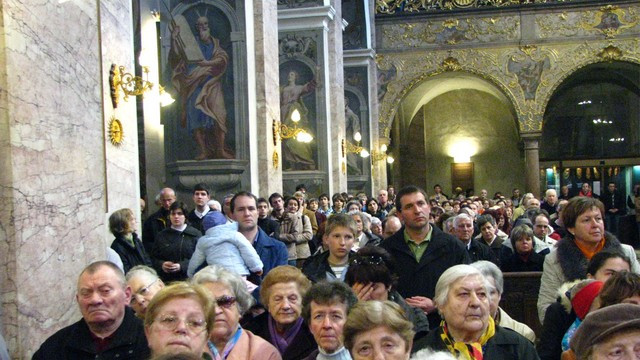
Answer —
310 41
267 176
60 177
532 163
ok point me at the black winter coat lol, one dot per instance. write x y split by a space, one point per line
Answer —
131 256
515 263
155 223
175 246
505 344
317 266
302 345
75 343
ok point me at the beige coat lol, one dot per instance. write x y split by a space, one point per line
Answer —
253 347
507 322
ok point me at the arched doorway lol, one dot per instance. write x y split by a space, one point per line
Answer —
455 118
591 129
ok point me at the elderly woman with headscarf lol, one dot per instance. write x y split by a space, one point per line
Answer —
227 339
467 330
583 218
282 324
179 319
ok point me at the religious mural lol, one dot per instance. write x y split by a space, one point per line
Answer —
299 84
199 70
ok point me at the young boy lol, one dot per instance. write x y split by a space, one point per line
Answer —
339 236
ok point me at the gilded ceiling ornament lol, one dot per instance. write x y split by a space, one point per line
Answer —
449 23
451 64
610 20
528 67
610 53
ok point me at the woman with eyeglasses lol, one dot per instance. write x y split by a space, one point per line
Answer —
371 275
179 319
145 284
227 339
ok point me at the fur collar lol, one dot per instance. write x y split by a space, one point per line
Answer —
572 262
563 296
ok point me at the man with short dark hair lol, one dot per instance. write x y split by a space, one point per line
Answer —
273 253
325 308
201 199
108 328
438 195
422 252
269 226
290 225
159 220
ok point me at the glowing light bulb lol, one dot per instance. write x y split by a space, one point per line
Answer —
295 115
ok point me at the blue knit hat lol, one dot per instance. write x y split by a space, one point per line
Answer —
213 218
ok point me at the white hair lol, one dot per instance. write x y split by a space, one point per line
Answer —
450 276
428 354
214 205
458 219
218 274
487 268
549 191
142 271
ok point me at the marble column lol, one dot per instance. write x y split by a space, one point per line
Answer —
338 175
532 163
59 175
267 177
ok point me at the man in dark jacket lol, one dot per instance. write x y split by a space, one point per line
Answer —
422 252
201 199
270 226
463 229
108 328
614 207
159 220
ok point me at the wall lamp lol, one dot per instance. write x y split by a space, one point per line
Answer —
282 131
348 147
127 83
382 154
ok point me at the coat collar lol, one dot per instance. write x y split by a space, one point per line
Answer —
573 262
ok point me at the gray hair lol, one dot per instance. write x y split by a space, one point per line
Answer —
450 276
428 354
526 198
142 271
489 269
447 225
549 191
458 219
366 222
215 273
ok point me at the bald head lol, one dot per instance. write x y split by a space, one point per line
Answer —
167 197
391 225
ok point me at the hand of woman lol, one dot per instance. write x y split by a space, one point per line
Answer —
421 302
168 266
363 292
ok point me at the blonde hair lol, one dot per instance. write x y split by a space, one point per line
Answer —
182 290
283 274
367 315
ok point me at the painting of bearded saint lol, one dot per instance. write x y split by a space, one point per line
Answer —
198 66
297 155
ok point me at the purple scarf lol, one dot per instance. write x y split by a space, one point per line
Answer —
282 342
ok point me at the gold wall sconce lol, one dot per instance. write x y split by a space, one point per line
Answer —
382 155
127 83
348 147
282 131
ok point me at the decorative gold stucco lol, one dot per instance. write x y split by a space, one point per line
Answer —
527 74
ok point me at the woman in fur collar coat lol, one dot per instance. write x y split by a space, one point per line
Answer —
584 220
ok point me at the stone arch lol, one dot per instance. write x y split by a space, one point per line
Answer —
472 78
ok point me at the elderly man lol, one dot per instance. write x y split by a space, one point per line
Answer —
383 201
422 252
550 203
145 284
390 226
463 229
325 308
108 328
611 332
159 220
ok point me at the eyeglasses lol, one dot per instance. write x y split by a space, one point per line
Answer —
141 292
170 323
367 260
226 301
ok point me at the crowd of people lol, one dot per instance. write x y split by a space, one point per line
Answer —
403 275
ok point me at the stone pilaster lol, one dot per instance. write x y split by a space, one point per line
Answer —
532 163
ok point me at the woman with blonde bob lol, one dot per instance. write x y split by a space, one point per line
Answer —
179 319
467 330
378 330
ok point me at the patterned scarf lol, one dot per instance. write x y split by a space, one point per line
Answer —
461 350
